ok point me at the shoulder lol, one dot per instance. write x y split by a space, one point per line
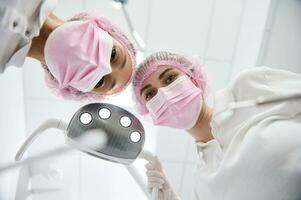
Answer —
250 83
263 81
251 75
264 74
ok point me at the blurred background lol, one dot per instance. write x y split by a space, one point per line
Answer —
228 35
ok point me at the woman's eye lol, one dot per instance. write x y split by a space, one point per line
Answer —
100 83
170 79
149 95
113 54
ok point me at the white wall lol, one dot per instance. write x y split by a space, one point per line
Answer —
12 127
282 41
252 29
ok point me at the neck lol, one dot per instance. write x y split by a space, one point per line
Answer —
36 50
202 129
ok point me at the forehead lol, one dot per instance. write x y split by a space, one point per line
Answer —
153 79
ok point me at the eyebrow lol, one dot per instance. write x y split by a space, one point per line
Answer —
164 72
144 88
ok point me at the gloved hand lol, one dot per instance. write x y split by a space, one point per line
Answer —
157 179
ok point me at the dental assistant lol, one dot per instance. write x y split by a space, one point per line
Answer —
250 153
100 65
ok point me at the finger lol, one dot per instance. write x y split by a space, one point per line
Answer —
154 185
152 159
157 163
156 181
155 173
149 166
150 189
147 156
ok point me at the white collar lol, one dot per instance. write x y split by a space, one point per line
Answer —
222 99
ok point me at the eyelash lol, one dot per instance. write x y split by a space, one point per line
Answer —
170 78
151 92
100 83
114 55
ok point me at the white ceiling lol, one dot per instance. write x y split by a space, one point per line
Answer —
217 31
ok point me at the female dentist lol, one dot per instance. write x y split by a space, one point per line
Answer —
87 57
249 153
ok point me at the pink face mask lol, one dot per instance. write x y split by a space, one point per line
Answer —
177 105
78 54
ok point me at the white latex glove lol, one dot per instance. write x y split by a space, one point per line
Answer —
157 179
